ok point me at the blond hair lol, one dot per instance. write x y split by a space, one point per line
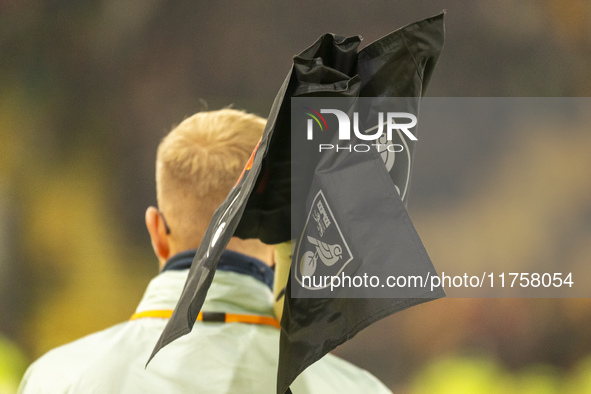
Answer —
198 163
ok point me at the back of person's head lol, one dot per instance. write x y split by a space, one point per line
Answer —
197 165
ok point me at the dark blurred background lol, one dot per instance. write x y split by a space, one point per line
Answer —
88 88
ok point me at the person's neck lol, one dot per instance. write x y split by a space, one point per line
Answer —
249 247
252 247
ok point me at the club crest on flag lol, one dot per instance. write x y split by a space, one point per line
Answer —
403 158
322 249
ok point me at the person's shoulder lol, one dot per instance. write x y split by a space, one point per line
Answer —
59 369
332 374
83 348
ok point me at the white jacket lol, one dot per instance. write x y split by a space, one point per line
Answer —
213 358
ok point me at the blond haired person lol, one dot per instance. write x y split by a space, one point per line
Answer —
234 348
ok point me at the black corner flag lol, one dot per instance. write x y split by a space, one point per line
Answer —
260 205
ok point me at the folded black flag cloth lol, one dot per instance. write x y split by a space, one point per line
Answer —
260 205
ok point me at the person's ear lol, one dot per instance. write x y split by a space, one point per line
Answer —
158 233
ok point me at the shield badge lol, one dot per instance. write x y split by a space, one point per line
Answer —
322 250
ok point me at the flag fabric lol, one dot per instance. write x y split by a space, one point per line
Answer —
260 205
356 193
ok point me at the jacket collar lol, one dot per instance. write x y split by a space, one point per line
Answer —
229 261
230 291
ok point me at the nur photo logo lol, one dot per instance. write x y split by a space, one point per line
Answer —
387 123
